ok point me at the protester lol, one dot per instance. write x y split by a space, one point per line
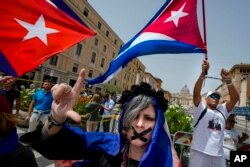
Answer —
142 139
93 108
231 137
107 112
11 93
12 153
210 119
40 106
100 114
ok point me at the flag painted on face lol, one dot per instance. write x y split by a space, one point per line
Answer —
33 31
173 30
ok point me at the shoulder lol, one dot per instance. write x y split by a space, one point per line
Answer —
201 106
24 155
21 150
38 91
222 107
111 101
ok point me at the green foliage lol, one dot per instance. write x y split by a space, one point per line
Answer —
80 105
178 120
112 89
26 98
80 109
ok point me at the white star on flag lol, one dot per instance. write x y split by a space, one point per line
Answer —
176 15
37 30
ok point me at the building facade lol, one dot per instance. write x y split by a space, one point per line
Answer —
241 80
93 54
183 97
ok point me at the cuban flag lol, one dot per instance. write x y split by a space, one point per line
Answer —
32 31
174 29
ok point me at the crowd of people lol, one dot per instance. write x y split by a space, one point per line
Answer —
143 138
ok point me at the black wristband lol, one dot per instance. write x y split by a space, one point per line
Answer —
53 122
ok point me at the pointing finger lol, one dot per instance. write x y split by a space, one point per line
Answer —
79 83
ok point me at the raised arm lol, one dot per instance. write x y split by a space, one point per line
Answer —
8 80
64 99
234 95
199 82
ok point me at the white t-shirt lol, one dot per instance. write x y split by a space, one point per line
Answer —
230 142
209 133
109 104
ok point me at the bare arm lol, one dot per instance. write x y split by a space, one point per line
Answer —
243 137
109 108
234 95
18 105
198 84
31 108
8 80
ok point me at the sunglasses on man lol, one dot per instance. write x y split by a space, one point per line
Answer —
214 96
232 121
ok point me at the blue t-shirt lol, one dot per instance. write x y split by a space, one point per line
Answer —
43 100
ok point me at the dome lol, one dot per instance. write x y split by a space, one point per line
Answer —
185 90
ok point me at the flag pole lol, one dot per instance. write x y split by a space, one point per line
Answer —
204 26
204 31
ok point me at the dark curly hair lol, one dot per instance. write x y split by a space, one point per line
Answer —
144 89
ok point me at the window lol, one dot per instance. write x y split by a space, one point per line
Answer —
75 68
104 48
99 25
113 55
51 78
78 49
102 62
86 12
107 33
115 41
90 73
53 60
72 82
93 57
96 42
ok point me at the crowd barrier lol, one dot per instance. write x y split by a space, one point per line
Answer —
105 118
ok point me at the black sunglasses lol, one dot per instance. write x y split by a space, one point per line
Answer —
214 96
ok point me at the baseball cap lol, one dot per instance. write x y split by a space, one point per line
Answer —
5 104
213 92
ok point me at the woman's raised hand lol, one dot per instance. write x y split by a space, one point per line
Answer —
65 98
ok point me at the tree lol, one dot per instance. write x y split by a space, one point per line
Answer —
112 89
178 120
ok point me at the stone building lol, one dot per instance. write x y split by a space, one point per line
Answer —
93 54
241 79
183 97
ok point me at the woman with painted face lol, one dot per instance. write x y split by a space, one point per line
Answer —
142 141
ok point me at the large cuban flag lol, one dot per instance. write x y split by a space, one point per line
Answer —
32 31
174 29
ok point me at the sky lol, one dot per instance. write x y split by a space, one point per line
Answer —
227 31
